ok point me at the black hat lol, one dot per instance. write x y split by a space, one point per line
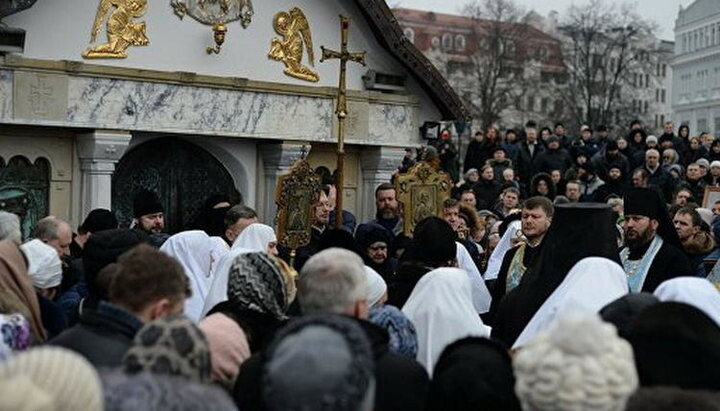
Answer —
433 242
625 309
146 202
367 234
611 145
647 202
99 219
553 139
104 248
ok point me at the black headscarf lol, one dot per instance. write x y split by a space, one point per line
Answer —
578 231
647 202
433 243
473 374
676 345
624 310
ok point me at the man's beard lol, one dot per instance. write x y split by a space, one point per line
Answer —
644 238
386 213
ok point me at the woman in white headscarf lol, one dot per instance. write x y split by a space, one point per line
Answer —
199 254
253 239
442 311
498 254
44 267
695 291
376 288
590 285
481 297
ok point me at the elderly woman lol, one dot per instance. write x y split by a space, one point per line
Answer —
45 271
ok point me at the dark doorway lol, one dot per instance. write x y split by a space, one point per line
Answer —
24 190
181 173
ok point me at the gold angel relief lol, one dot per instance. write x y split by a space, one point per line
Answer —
122 31
295 29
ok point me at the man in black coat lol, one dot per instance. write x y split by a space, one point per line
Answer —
553 158
659 179
105 332
653 252
401 382
530 149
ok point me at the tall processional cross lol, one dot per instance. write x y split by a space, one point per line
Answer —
341 111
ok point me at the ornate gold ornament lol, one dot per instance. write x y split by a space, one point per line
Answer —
341 110
122 32
295 29
296 195
421 192
215 13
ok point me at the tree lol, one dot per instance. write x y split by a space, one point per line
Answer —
605 47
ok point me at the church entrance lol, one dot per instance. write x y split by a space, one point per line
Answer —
183 175
24 190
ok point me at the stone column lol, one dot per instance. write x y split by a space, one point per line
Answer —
377 164
277 160
99 152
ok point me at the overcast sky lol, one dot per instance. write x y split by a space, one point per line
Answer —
663 12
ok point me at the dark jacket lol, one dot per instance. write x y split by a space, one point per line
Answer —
525 163
53 318
550 160
603 163
403 282
697 187
400 382
499 166
102 336
662 181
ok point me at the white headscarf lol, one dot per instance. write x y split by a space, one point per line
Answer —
505 244
442 311
255 238
481 297
198 253
376 286
590 285
44 266
695 291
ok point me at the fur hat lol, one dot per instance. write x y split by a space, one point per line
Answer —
580 363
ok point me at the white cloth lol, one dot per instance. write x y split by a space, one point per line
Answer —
590 285
376 286
198 254
695 291
44 266
481 297
440 306
505 244
254 238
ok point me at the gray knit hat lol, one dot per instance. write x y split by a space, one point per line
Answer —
319 362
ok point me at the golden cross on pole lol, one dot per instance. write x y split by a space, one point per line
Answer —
341 110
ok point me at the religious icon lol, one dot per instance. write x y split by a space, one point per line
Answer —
295 29
421 192
122 32
215 13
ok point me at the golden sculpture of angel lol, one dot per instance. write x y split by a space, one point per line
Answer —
295 29
122 32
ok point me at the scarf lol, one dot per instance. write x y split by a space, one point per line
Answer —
15 281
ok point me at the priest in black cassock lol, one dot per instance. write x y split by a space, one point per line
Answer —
653 252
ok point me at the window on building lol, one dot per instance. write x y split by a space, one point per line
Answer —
657 95
531 103
447 41
662 119
645 110
544 104
717 126
702 125
647 80
657 117
558 106
662 96
409 34
664 67
460 42
435 42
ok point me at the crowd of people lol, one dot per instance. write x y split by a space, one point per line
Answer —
551 280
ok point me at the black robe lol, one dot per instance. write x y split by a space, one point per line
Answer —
669 262
498 289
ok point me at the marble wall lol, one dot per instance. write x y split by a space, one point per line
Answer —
121 104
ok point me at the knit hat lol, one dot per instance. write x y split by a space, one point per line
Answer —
146 202
578 364
474 374
256 283
651 139
403 338
99 219
103 248
153 392
67 378
44 266
319 362
703 162
228 347
714 164
170 346
14 333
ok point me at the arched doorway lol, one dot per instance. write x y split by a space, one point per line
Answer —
181 173
24 190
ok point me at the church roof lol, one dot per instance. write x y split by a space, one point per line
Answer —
389 33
